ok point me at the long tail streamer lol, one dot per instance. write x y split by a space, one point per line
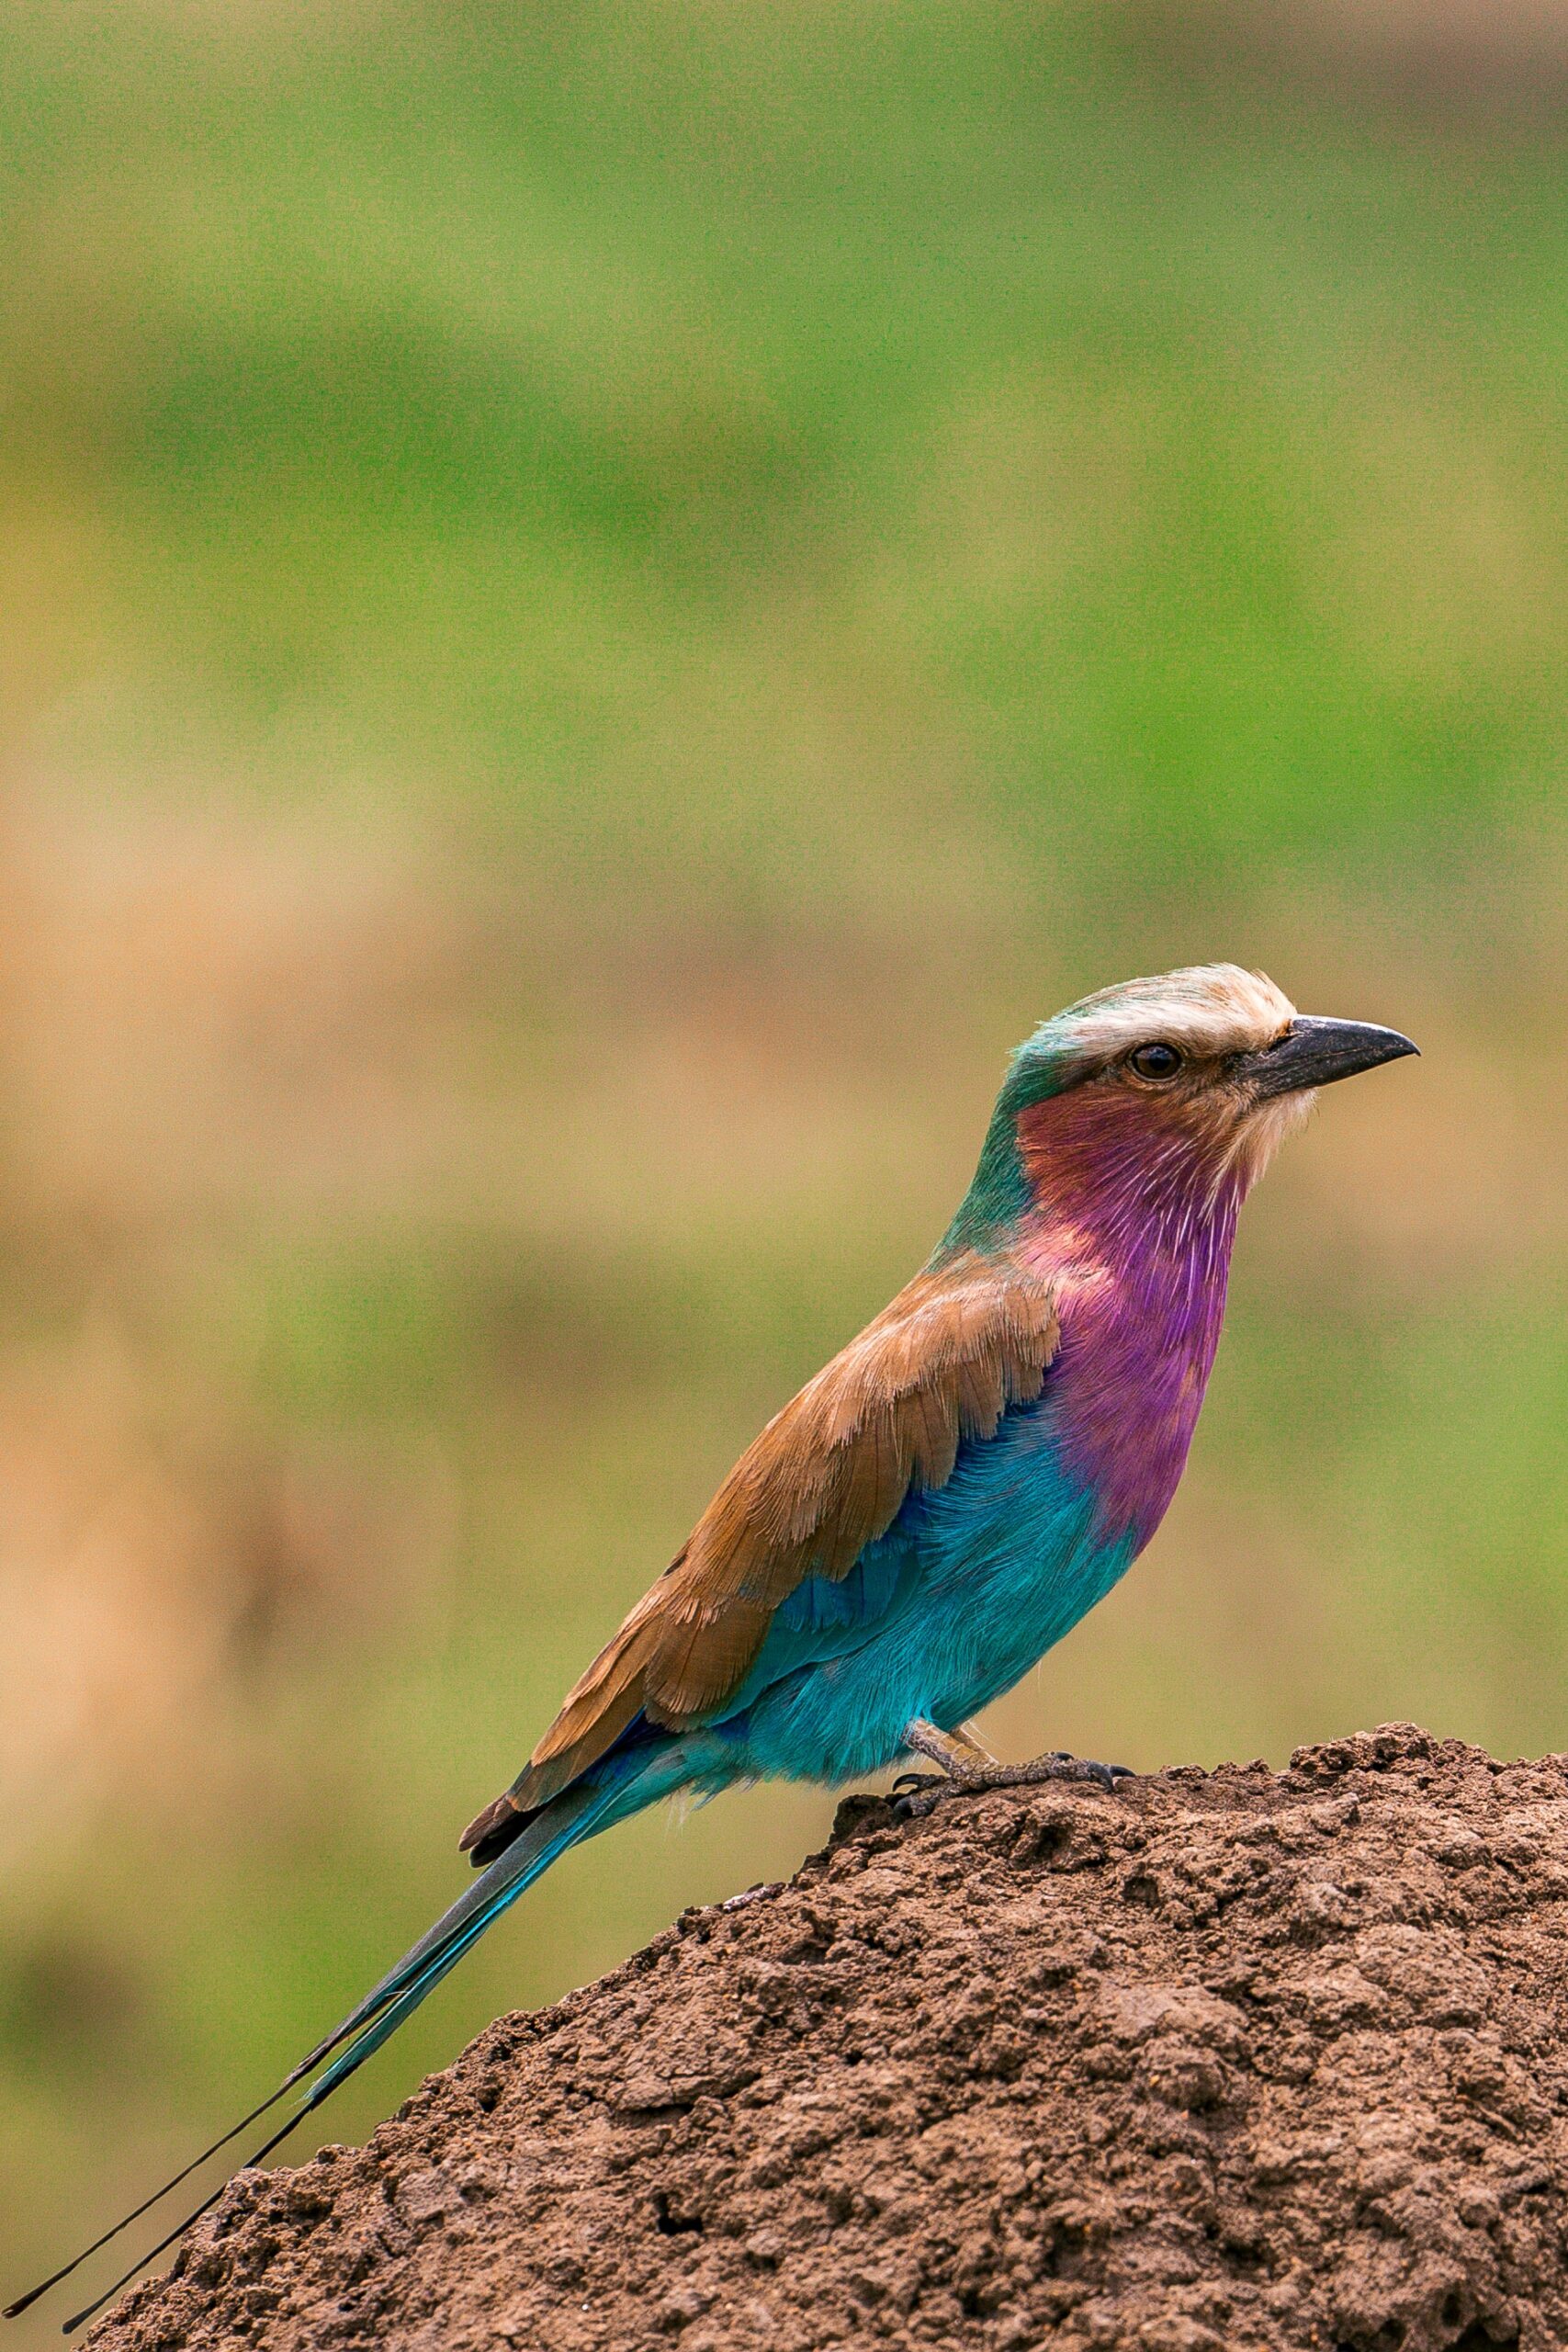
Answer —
573 1816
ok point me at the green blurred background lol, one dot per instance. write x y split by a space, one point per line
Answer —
599 607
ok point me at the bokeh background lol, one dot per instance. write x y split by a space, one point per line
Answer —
599 605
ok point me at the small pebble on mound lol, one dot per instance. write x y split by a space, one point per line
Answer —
1221 2061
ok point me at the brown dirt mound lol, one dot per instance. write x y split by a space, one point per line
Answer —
1227 2059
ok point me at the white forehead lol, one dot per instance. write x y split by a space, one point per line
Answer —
1206 1008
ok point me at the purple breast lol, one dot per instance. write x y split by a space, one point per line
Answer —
1135 1220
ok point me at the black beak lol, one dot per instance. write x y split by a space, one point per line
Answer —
1315 1053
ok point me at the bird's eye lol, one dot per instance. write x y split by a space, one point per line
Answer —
1156 1061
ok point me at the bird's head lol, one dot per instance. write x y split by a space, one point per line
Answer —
1188 1082
1217 1053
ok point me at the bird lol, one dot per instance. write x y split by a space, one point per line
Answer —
947 1498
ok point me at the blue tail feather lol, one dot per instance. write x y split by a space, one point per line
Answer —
577 1814
574 1816
635 1778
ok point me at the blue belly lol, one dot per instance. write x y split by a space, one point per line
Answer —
968 1589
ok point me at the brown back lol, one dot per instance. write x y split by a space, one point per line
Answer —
827 1476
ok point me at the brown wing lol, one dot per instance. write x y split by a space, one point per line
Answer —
826 1477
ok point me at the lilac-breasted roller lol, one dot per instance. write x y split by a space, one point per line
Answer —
951 1493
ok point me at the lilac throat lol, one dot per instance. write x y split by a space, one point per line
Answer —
1137 1228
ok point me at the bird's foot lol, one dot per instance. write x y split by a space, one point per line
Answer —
915 1794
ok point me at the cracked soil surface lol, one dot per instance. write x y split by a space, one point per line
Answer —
1217 2062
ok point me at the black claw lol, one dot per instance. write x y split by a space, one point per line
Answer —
914 1795
1104 1776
